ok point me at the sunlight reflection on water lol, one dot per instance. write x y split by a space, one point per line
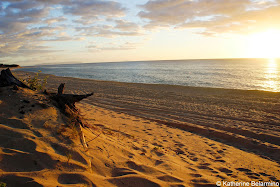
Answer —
246 74
271 75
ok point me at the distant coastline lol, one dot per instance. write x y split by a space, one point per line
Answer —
9 66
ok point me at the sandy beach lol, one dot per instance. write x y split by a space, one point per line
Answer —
141 135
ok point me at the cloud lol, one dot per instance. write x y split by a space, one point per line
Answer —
34 26
214 16
106 31
29 24
113 47
16 18
51 21
112 33
126 25
94 8
115 29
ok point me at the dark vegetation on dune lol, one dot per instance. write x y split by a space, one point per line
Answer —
9 66
64 102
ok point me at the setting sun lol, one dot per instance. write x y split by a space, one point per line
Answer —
265 44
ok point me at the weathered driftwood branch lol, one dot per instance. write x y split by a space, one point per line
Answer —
8 79
60 89
66 103
9 66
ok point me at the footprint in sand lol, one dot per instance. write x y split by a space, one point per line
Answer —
220 177
190 168
142 168
99 125
264 174
36 133
179 144
177 185
220 160
179 151
64 150
132 181
205 167
158 162
158 153
195 175
13 180
168 178
122 171
156 144
243 169
195 159
74 179
24 162
274 179
200 180
26 145
249 173
226 171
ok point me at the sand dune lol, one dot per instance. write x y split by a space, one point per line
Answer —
141 135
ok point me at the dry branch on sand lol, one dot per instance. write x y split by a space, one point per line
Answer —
8 79
65 102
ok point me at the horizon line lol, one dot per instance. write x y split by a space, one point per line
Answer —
69 63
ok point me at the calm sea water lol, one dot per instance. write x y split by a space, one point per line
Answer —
246 74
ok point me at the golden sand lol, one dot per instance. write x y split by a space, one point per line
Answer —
141 135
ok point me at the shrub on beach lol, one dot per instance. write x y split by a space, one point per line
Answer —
37 84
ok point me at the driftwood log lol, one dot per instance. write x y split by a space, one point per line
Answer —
8 79
66 104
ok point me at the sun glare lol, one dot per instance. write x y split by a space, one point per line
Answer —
265 44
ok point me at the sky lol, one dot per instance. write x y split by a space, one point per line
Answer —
84 31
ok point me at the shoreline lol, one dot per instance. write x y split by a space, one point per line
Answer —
21 72
246 119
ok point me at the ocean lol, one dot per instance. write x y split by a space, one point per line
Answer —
245 74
